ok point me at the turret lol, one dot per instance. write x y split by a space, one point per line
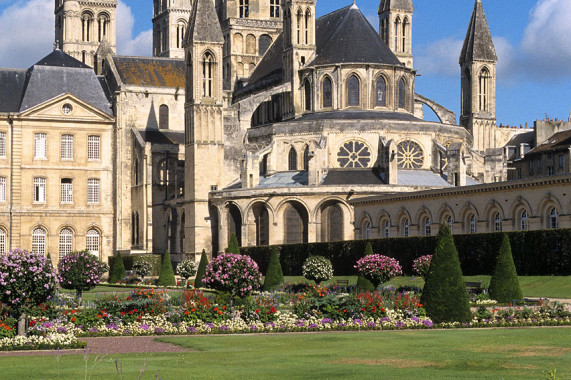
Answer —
395 27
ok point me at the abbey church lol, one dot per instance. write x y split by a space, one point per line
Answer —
256 118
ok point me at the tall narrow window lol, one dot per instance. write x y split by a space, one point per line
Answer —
163 117
39 241
306 158
207 74
405 228
497 223
65 242
39 189
483 89
86 25
299 26
103 27
2 144
427 227
180 29
93 148
40 147
561 161
450 223
92 242
327 93
404 35
244 8
381 92
307 25
66 189
553 218
472 224
524 224
397 30
2 241
93 194
2 189
387 229
264 166
67 147
367 231
307 93
292 159
353 91
275 8
402 94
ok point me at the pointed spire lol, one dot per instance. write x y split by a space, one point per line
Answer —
203 25
354 6
387 5
478 44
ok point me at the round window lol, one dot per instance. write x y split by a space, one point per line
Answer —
67 109
354 154
410 155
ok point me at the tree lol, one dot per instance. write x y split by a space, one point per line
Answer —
118 272
142 268
236 274
444 295
80 271
186 269
274 274
201 270
504 285
378 268
318 269
233 246
166 277
362 282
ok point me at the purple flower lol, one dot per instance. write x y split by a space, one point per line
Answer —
427 323
144 326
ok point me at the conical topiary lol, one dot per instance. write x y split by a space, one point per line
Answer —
444 296
504 285
118 271
274 273
201 271
233 246
362 282
166 277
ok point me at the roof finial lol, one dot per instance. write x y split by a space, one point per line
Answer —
56 45
354 6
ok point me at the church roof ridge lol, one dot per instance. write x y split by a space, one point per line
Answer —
478 44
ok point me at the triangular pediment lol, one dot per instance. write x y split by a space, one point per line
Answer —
67 107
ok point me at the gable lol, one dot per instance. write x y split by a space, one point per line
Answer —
67 107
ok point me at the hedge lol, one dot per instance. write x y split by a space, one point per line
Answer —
129 260
535 253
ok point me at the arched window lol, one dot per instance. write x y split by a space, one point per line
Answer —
238 43
397 31
307 93
93 242
553 218
262 220
387 229
404 34
497 222
103 27
353 91
250 44
483 89
427 227
331 223
86 26
367 230
450 223
180 29
292 159
307 25
264 43
207 75
524 221
381 92
327 93
163 117
2 241
402 94
65 242
472 224
306 158
295 222
405 228
244 8
299 21
39 241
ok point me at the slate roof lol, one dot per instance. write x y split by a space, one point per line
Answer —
522 138
478 44
353 177
151 71
204 25
11 88
346 36
421 178
58 58
162 137
560 140
387 5
357 115
281 179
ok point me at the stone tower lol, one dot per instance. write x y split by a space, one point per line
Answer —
299 50
204 134
478 76
82 27
395 27
170 22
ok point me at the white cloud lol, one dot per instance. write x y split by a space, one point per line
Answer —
439 58
141 45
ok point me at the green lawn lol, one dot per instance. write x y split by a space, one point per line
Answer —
421 354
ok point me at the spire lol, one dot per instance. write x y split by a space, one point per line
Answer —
478 44
386 5
203 25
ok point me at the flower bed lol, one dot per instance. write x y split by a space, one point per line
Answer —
49 341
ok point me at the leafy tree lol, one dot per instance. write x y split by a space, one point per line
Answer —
201 270
186 269
118 271
504 285
318 269
142 268
274 273
378 268
362 282
444 295
80 271
166 277
233 246
235 274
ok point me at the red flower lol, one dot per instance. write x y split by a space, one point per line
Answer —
193 309
220 312
257 311
186 312
123 313
215 309
73 319
224 307
98 316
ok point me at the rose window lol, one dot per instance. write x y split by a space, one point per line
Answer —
354 154
410 155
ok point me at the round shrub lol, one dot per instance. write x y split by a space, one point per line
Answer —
142 268
186 269
318 269
26 279
421 265
80 271
378 268
236 274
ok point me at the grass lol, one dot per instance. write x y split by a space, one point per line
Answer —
414 354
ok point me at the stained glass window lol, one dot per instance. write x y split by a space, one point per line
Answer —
353 91
381 92
327 93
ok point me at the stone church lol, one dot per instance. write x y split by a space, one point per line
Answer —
253 117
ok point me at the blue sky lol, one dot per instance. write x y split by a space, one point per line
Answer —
532 39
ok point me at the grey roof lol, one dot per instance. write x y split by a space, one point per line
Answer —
11 87
357 115
522 138
162 137
558 141
421 178
387 5
281 179
58 58
151 71
478 44
203 24
353 177
346 36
